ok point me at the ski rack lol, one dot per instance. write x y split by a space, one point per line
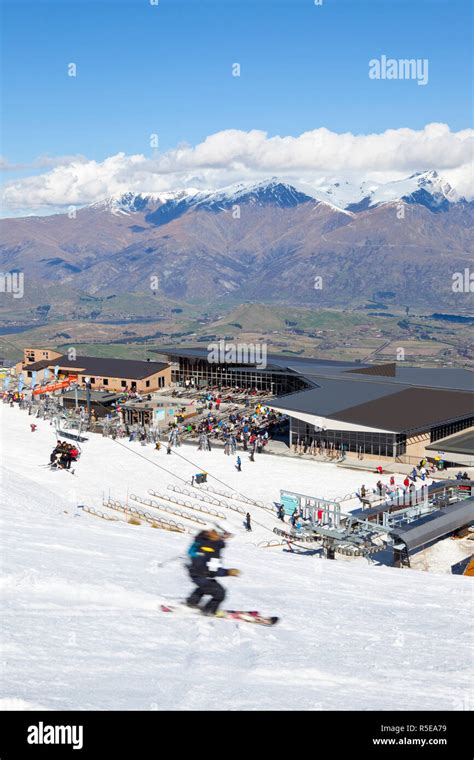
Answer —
165 508
347 497
98 513
197 508
211 499
228 495
270 544
198 496
155 522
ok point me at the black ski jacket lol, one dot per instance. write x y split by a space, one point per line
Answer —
204 555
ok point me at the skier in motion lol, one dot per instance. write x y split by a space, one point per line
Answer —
205 566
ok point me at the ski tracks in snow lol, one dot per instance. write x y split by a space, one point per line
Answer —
218 662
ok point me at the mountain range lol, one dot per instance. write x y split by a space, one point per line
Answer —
273 240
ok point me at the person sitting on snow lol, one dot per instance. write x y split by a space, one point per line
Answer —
55 454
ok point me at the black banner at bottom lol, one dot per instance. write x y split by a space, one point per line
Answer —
91 734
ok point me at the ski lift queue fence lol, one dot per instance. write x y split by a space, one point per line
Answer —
313 509
328 512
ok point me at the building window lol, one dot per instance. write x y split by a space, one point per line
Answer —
92 380
147 384
29 374
123 384
106 381
366 442
444 430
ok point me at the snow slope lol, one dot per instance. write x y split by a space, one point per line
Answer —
81 626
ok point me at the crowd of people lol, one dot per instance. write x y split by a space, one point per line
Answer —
63 454
250 430
12 397
297 519
392 490
319 447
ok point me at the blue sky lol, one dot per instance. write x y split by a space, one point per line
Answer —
166 69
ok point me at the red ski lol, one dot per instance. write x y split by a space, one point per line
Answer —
245 616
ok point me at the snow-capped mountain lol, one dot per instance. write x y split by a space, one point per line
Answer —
340 194
272 191
162 207
430 182
347 233
130 202
428 189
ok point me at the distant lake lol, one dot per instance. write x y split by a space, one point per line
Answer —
20 328
11 330
453 318
137 321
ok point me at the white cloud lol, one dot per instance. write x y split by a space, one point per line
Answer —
233 155
42 162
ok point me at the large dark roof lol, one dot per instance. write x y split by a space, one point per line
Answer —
390 396
379 405
462 443
452 378
435 525
282 360
331 395
37 365
410 409
129 369
103 397
396 373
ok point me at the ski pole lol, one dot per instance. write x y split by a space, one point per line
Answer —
168 561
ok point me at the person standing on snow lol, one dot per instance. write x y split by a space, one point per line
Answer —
248 524
239 464
205 567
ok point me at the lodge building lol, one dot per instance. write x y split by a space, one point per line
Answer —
387 411
115 375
